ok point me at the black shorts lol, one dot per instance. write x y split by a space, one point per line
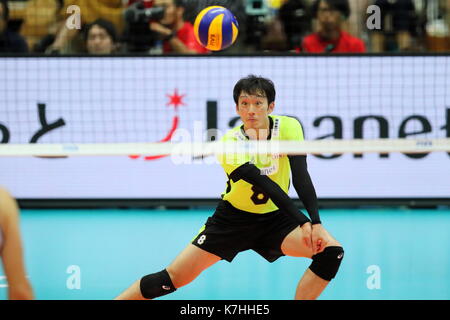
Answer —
230 231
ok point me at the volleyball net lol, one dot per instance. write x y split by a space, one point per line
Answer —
121 106
139 120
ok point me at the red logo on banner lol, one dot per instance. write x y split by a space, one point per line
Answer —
176 100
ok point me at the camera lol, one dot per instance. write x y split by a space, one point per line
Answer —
138 12
297 21
256 12
137 36
256 8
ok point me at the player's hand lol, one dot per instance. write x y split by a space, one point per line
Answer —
319 238
306 234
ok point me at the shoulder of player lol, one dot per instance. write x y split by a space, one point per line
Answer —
287 122
231 134
289 128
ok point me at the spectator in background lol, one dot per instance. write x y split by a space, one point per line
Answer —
10 42
398 24
447 19
11 254
357 21
330 36
169 26
447 12
437 29
40 23
100 37
91 10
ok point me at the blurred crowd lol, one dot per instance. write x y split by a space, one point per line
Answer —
157 27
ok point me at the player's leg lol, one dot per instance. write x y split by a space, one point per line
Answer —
322 269
185 268
189 264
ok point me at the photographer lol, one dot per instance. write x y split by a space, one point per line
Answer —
296 20
160 20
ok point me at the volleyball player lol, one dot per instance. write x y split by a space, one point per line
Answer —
11 249
255 211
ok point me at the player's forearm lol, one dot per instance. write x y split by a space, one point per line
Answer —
251 174
302 183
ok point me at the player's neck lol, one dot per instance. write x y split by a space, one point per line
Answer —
261 133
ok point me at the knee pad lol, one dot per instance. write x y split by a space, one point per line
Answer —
326 264
156 285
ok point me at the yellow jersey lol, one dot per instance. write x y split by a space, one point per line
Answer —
241 194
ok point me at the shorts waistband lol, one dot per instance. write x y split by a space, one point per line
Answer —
227 206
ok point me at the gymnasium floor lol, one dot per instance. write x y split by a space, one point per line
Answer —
391 253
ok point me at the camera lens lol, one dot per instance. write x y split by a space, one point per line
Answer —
257 4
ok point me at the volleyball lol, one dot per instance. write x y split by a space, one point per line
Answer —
216 28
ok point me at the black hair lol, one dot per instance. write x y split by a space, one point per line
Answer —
4 4
254 85
340 5
104 24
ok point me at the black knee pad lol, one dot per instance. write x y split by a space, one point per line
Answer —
326 264
156 285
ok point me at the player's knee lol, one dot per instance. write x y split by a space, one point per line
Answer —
326 264
156 285
181 277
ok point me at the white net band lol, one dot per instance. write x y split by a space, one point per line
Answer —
358 146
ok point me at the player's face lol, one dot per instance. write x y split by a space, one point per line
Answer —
328 17
99 41
254 110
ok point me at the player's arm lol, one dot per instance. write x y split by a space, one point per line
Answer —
307 194
12 253
302 183
300 176
251 174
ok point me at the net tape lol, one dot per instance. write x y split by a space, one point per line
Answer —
197 149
